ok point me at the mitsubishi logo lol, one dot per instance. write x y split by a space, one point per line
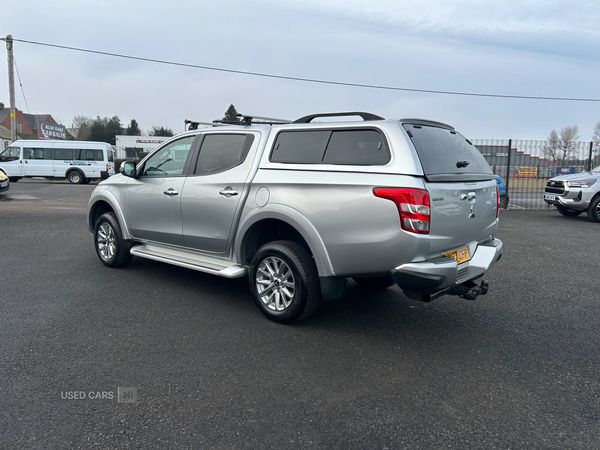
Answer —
472 198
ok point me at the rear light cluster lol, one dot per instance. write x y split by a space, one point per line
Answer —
498 204
413 206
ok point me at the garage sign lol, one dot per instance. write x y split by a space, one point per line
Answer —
49 130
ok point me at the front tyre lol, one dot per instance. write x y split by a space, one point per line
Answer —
110 246
567 212
594 210
284 281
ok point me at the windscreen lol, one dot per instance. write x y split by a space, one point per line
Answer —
443 151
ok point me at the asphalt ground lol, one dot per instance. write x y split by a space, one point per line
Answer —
518 368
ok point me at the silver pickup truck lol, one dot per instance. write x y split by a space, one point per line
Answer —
575 193
302 207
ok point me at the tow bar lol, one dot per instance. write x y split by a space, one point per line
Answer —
469 289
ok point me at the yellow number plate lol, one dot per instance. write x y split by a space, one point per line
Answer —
461 255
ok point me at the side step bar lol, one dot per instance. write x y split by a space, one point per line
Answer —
190 260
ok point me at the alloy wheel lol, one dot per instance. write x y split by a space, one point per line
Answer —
106 241
275 284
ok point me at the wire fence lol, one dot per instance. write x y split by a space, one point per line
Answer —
525 167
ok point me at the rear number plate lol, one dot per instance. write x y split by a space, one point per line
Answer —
461 255
549 197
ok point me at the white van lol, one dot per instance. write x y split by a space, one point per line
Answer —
78 161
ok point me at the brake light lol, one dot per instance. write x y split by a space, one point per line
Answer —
107 167
413 206
498 201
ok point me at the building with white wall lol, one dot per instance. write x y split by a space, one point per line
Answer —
137 146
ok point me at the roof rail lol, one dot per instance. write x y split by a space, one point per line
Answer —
365 116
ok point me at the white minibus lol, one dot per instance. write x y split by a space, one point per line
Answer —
77 161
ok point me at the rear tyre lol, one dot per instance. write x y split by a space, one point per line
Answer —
76 177
375 283
110 246
568 212
594 210
284 281
13 179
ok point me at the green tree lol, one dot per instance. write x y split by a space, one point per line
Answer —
133 129
231 115
98 129
113 128
104 129
161 131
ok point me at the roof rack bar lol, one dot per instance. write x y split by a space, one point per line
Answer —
193 125
247 119
365 116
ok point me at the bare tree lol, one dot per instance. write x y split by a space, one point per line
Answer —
550 148
81 127
596 137
559 147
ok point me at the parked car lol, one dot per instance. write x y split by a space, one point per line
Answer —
576 193
302 207
4 182
501 189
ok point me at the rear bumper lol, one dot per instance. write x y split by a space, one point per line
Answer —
430 279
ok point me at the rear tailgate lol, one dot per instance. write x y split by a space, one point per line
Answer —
461 186
461 213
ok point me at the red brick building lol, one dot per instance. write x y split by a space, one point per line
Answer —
28 125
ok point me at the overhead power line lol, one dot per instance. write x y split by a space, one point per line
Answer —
20 83
308 80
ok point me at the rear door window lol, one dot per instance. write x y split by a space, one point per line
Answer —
220 152
443 151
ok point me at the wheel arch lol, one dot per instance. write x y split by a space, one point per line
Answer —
278 222
103 203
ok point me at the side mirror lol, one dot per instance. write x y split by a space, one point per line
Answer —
128 169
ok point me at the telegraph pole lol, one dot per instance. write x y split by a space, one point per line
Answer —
11 88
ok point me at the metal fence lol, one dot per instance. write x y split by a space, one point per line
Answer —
526 166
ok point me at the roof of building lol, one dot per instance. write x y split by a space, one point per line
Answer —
4 113
4 133
35 119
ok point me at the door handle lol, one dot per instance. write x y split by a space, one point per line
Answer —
228 192
171 192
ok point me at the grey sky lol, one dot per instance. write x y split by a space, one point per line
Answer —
531 48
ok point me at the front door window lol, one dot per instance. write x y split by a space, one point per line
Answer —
170 160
